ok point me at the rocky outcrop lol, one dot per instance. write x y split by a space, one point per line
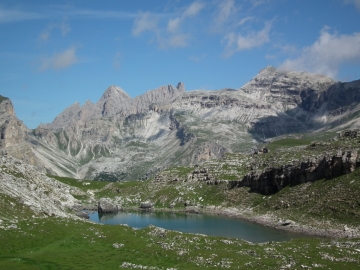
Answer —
12 130
123 138
42 194
14 135
181 132
284 89
146 205
107 205
272 180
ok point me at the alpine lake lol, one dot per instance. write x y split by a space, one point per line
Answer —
197 223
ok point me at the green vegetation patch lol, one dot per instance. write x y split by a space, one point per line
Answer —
82 184
53 243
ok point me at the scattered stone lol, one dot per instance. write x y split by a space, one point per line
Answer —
146 205
83 215
117 245
107 205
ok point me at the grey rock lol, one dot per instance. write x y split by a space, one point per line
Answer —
107 205
122 138
146 205
83 215
273 179
31 188
193 209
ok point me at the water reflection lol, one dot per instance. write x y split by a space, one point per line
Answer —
194 223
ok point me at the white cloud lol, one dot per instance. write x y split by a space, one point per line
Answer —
193 9
13 15
226 9
179 40
146 21
238 42
225 16
173 24
64 28
354 2
171 35
59 61
256 3
8 15
244 20
327 54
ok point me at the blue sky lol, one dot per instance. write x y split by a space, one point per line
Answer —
54 53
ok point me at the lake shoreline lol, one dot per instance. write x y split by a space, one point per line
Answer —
268 220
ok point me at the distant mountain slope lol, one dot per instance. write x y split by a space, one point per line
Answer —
120 137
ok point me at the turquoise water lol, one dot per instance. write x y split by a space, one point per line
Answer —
194 223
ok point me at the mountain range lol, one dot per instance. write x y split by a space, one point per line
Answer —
123 138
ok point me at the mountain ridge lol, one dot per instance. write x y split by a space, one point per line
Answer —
122 138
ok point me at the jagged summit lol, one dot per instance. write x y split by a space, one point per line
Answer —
116 93
116 102
6 106
282 88
120 137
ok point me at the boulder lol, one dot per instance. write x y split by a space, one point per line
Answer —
193 209
83 215
146 205
106 205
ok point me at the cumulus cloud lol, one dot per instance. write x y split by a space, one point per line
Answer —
170 35
193 9
146 21
59 61
327 54
238 42
64 28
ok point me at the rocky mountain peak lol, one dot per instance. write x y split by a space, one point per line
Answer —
6 106
283 88
181 87
65 118
115 93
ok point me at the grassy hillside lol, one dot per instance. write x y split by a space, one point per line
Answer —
29 242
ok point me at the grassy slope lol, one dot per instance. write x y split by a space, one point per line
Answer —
334 200
52 243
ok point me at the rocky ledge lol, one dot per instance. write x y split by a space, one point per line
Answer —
44 195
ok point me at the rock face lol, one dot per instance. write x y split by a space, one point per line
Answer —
14 135
106 205
42 194
325 166
272 180
123 138
146 205
12 130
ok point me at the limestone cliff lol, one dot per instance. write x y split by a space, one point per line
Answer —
120 137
